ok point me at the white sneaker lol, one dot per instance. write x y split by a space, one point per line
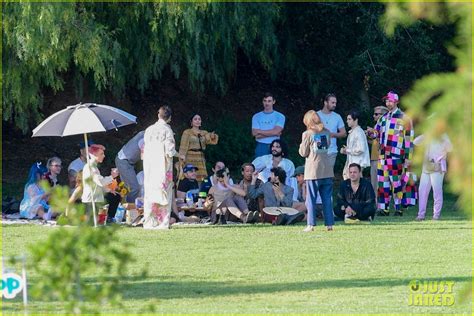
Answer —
308 229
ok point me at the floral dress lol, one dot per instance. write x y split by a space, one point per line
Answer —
158 175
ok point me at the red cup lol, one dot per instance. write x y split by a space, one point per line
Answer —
102 218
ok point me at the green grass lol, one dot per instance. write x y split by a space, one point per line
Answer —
265 269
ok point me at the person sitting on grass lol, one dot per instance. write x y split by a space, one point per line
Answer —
247 171
211 180
34 203
189 183
356 197
300 203
275 194
54 165
227 198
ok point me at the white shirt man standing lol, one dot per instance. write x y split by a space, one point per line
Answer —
267 125
334 123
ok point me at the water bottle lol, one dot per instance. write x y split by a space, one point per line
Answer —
120 213
189 198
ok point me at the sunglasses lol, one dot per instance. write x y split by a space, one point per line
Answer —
377 113
56 166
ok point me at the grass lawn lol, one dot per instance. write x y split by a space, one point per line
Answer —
265 269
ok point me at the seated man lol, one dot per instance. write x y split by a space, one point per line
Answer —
356 198
76 165
226 199
189 183
276 158
276 193
247 171
299 204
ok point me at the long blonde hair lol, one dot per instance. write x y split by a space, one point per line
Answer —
312 121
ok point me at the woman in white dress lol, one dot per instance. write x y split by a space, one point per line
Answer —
158 171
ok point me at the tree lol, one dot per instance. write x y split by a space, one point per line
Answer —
111 47
119 47
444 96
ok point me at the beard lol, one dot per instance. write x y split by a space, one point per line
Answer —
276 154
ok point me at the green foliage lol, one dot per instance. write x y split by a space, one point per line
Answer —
236 144
106 46
110 47
76 253
66 259
444 96
341 48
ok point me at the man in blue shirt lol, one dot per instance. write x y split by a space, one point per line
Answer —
334 123
267 125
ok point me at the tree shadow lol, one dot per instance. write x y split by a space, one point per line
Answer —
200 289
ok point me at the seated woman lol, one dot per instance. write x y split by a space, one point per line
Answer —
34 203
54 169
225 197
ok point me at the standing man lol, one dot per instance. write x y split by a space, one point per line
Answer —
267 125
125 162
395 134
379 111
334 123
158 169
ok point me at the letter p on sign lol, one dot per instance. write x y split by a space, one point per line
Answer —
12 284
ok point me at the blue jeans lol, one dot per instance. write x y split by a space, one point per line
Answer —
262 149
324 187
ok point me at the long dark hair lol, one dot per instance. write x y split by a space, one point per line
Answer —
192 117
36 169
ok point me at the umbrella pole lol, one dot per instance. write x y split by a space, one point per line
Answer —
87 155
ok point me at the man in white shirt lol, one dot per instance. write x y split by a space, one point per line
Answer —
264 165
267 125
334 123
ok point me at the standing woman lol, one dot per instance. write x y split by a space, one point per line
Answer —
158 172
193 144
318 172
357 149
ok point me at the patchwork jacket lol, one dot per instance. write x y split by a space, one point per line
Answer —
394 131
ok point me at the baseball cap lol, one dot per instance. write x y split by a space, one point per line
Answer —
299 170
189 167
89 142
391 96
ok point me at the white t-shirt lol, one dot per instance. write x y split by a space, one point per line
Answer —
265 164
76 165
267 121
333 122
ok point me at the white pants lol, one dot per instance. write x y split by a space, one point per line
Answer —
427 181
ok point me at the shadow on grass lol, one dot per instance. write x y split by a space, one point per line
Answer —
199 289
